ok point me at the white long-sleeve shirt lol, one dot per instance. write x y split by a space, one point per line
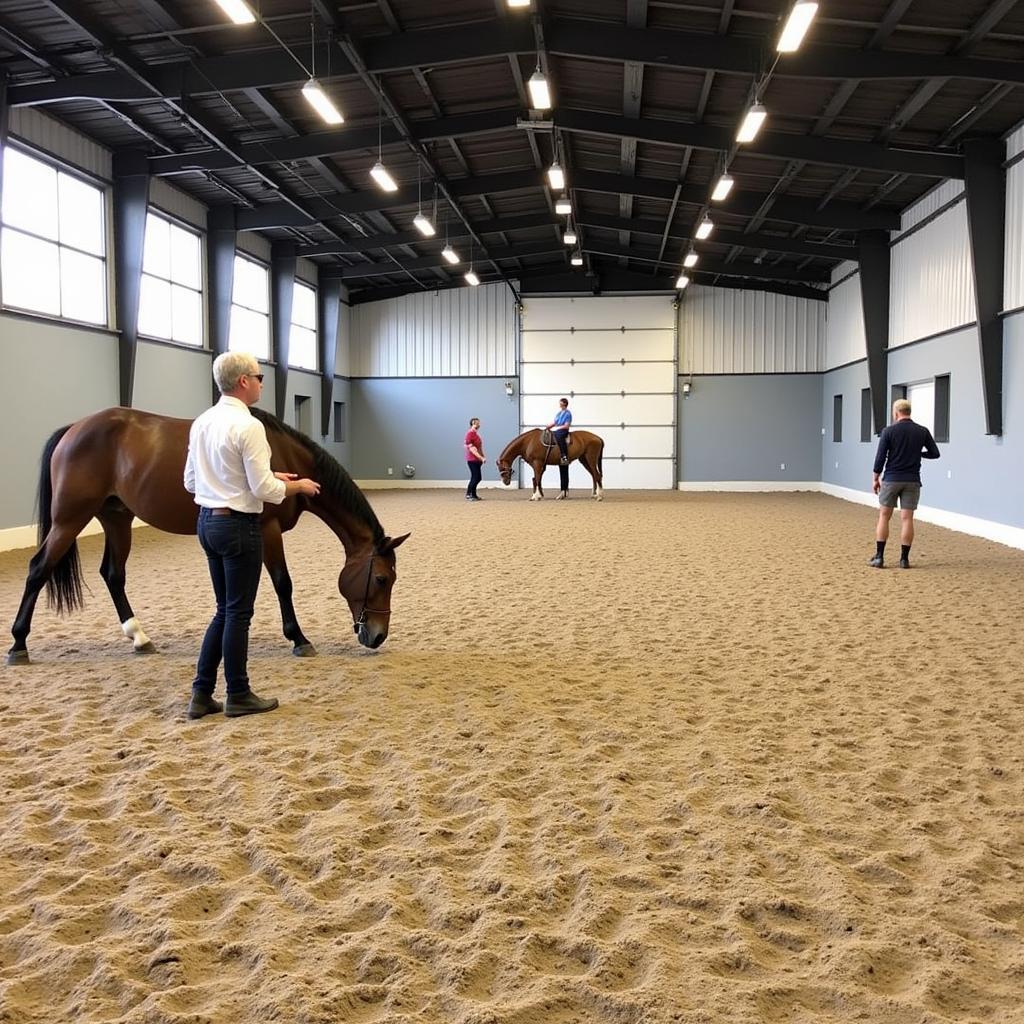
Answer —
228 464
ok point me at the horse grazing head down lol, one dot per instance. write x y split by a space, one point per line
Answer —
505 470
365 582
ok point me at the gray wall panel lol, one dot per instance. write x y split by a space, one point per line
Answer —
853 455
422 422
738 428
171 380
51 376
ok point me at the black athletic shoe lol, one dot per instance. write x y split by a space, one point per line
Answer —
877 562
904 563
203 704
248 704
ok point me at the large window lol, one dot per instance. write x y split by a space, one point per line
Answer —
53 245
171 301
302 343
250 309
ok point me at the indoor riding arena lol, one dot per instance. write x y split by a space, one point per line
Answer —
661 734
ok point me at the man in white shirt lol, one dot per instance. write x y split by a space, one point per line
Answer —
228 471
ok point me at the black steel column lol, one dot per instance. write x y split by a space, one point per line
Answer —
221 239
282 288
986 221
328 308
873 258
131 200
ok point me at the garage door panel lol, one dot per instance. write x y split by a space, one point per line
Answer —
643 474
559 379
598 312
584 346
602 410
638 442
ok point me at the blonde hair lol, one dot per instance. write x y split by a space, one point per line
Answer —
230 367
901 407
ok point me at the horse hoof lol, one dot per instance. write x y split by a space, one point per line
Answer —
147 648
17 657
304 651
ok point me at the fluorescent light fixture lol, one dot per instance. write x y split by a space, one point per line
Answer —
519 3
751 123
555 177
379 173
450 255
569 237
238 11
706 226
577 259
540 94
681 282
797 24
690 260
722 188
321 102
471 278
423 226
563 205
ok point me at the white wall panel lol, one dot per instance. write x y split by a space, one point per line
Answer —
305 270
343 362
560 378
181 205
597 345
931 279
1013 285
595 412
726 330
50 136
457 332
599 312
844 338
930 203
254 245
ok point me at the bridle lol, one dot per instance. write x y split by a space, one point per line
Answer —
361 621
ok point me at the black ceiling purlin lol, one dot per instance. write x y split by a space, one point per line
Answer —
632 96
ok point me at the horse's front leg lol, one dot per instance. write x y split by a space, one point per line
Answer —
273 559
538 473
117 528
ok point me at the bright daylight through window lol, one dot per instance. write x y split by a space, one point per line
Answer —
302 344
171 300
250 309
53 245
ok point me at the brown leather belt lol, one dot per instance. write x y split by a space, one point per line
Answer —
222 512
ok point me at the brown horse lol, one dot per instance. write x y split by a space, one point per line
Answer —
121 463
583 445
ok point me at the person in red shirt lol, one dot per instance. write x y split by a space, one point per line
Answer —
474 458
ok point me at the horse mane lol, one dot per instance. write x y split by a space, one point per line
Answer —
519 441
330 474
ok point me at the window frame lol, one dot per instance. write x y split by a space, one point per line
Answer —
103 188
183 225
292 324
241 254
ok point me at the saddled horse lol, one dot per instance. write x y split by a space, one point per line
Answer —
122 463
530 447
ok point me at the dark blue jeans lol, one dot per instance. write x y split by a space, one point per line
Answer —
562 439
234 549
475 473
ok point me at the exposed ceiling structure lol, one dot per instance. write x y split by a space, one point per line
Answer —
647 97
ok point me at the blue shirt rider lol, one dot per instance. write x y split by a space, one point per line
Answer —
560 429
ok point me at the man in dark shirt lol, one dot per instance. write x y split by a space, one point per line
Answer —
901 447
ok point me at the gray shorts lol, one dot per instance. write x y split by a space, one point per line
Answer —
908 493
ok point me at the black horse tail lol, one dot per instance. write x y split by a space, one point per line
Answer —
64 587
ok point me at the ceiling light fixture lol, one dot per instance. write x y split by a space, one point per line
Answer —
706 226
423 224
569 237
752 123
471 277
519 3
577 259
556 177
690 260
540 94
722 188
239 12
378 171
450 254
797 24
319 100
563 205
681 282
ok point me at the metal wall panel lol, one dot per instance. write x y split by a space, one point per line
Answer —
50 136
1013 284
931 279
305 270
726 330
845 341
254 245
930 202
599 312
343 362
598 346
457 332
178 204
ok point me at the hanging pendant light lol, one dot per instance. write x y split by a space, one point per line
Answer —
239 11
706 226
422 224
690 260
563 205
448 252
722 188
556 177
681 282
577 259
540 94
752 122
799 21
378 171
470 275
314 94
569 237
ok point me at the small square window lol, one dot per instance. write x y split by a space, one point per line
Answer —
837 418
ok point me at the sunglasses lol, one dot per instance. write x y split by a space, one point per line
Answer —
256 376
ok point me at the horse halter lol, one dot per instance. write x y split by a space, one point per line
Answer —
361 621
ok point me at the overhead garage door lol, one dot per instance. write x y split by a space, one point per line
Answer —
615 360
